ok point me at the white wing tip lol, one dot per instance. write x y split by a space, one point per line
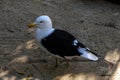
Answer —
90 56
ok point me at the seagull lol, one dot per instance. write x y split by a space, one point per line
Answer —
59 42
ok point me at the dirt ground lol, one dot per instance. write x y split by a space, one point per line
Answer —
95 23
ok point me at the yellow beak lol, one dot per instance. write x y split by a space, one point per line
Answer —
31 25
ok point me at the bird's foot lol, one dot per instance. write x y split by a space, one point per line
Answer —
62 63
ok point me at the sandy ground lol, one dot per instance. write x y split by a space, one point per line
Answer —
95 23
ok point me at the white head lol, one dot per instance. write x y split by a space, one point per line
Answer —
42 22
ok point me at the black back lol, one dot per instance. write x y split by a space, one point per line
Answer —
60 43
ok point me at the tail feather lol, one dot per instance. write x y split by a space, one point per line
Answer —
87 54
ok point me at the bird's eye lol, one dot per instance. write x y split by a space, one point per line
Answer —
41 22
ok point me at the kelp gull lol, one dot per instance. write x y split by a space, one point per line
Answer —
59 42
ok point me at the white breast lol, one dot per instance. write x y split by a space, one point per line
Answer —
42 33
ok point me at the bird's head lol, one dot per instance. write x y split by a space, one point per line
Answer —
41 22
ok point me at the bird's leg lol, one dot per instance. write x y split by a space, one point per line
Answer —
67 63
56 62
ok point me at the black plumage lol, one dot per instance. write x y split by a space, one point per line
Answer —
61 43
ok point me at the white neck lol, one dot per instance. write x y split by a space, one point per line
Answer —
42 33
